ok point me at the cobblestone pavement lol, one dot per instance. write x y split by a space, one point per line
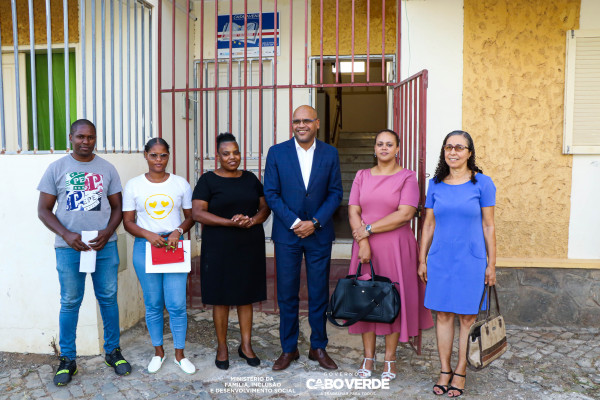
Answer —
541 363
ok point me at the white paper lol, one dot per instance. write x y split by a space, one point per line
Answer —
185 266
87 260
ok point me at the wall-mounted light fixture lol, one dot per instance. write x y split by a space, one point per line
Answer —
346 67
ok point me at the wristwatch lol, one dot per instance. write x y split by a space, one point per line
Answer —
316 223
368 229
180 230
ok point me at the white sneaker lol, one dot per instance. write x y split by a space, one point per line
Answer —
155 364
186 366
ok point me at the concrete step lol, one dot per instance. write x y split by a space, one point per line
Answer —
354 166
348 176
356 159
358 135
352 142
356 150
347 185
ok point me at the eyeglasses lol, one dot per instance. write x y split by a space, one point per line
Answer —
154 156
457 147
304 121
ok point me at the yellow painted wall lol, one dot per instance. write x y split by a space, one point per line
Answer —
345 27
513 95
39 21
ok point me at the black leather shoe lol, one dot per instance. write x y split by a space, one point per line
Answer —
222 364
253 362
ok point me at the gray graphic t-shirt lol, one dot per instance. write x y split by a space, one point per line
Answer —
81 189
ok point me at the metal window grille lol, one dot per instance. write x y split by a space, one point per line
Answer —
254 94
112 44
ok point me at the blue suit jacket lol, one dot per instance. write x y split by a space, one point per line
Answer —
289 199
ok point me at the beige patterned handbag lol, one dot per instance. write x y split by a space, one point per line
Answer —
487 336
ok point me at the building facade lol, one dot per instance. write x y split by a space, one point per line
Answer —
497 69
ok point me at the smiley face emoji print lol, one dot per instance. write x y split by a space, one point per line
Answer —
158 206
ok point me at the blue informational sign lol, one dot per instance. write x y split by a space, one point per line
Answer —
237 32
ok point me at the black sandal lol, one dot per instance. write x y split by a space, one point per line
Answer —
443 388
460 391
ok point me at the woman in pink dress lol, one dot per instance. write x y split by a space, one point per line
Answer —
383 201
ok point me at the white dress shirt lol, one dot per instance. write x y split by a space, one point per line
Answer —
305 157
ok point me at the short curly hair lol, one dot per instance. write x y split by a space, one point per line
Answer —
443 170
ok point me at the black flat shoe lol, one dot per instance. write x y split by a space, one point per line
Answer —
222 364
253 362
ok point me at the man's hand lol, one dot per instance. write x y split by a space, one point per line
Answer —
74 240
304 229
100 241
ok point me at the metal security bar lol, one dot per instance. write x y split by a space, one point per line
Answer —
219 95
253 67
410 122
240 93
104 80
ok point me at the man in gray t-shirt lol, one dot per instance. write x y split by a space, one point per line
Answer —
87 193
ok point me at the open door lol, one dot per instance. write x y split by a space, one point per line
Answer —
351 114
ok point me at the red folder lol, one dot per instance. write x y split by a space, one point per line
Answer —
160 256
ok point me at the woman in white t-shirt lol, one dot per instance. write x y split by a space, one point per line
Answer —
158 198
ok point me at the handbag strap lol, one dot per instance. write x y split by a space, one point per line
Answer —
365 311
358 270
488 290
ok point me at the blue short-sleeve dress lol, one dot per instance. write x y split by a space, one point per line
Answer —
457 258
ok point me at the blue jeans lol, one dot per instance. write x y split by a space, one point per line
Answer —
72 286
162 290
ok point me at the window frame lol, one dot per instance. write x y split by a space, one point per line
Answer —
60 135
570 90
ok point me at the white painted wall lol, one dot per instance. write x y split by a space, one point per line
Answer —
584 225
440 51
29 289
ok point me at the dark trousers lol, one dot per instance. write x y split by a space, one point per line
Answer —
289 259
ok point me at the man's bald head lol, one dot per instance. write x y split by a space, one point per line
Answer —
307 109
305 125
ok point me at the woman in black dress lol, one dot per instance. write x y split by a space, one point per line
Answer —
231 206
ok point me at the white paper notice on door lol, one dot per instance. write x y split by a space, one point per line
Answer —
87 260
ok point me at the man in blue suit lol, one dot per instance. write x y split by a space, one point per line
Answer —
303 187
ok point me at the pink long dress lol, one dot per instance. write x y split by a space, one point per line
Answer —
395 254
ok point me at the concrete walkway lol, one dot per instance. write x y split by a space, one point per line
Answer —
542 363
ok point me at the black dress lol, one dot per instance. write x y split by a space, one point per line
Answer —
232 260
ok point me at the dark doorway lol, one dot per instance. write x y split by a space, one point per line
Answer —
350 118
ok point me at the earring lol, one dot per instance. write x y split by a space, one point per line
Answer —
375 155
396 154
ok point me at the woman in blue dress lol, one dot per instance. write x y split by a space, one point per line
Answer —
458 251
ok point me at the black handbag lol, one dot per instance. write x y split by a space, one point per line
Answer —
374 300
